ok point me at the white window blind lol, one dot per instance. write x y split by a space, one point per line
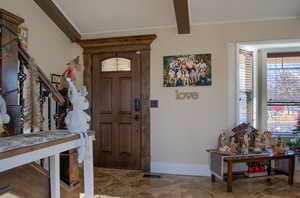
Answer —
283 92
245 86
116 64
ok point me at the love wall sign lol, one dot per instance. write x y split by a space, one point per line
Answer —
186 95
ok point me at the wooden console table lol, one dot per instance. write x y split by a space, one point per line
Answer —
290 156
23 149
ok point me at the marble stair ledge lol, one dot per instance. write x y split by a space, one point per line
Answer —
26 140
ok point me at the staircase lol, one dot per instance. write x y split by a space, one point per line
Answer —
4 190
32 180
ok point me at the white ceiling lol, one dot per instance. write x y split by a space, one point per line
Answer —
104 16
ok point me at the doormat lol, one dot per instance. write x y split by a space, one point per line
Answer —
149 175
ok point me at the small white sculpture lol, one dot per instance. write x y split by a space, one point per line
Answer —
245 144
268 139
76 119
222 142
222 138
233 145
259 145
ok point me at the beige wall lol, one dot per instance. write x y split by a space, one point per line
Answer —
182 130
47 43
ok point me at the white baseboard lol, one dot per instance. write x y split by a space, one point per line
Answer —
180 169
193 169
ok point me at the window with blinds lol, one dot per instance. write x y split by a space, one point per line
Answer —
116 64
245 86
283 92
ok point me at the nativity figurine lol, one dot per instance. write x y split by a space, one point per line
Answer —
278 147
222 139
245 144
233 146
223 143
259 145
268 139
223 146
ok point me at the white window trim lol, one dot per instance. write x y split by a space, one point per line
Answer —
233 83
233 74
237 83
263 115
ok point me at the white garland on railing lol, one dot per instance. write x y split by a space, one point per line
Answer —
32 113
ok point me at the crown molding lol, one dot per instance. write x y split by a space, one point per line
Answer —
118 41
7 16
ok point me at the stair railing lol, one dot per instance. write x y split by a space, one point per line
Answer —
47 91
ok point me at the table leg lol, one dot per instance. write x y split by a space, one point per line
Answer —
89 172
229 176
291 170
213 178
269 167
54 176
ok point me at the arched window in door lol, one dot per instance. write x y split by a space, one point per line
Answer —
116 64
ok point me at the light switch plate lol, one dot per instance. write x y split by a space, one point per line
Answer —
154 103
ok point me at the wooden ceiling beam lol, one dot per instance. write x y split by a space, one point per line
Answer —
182 16
49 7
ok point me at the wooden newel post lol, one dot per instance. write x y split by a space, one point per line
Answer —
9 68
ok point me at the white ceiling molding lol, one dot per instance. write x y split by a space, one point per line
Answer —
129 30
246 20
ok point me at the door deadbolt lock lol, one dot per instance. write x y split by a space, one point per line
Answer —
136 117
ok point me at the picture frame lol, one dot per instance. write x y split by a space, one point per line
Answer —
56 79
187 70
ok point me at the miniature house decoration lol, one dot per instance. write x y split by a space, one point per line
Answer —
245 139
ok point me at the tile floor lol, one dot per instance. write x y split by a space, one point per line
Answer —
131 184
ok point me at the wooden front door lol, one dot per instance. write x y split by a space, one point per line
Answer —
117 110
